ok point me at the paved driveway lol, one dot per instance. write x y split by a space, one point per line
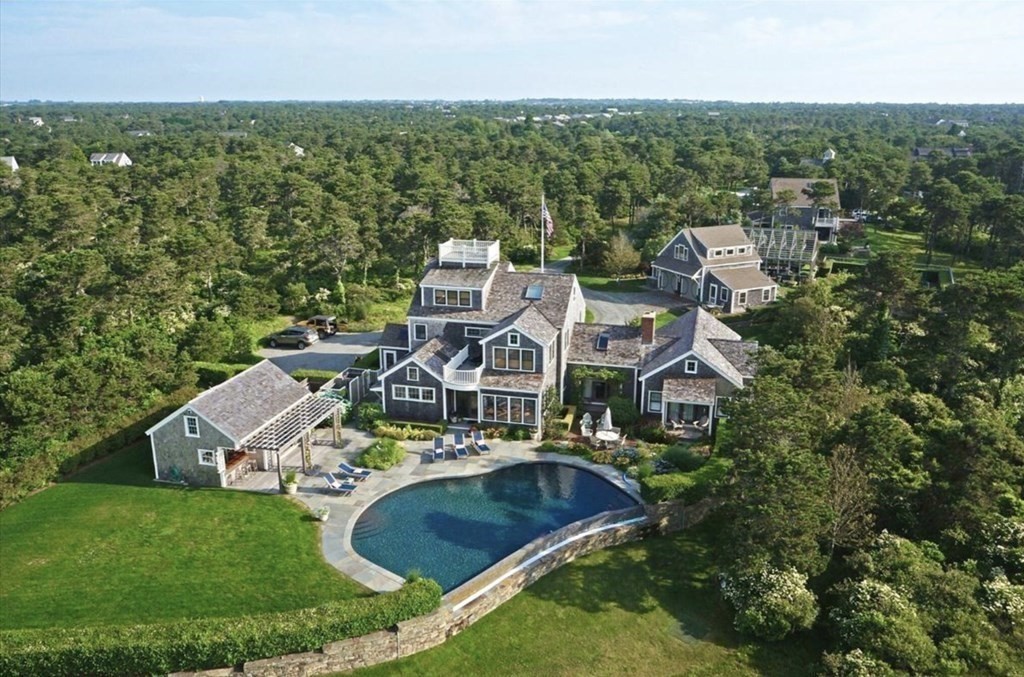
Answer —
614 307
332 354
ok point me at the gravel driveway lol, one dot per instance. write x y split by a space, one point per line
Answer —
610 307
335 353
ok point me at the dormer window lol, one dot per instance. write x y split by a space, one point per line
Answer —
682 252
730 252
513 338
453 297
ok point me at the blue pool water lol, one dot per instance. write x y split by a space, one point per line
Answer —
451 530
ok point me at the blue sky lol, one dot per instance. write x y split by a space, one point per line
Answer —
134 50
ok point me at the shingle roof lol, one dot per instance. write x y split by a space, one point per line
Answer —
246 402
695 330
693 390
530 321
436 353
624 347
720 236
743 278
469 278
710 237
507 296
777 185
510 380
395 336
740 353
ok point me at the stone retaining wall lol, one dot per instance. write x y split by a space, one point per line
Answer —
460 608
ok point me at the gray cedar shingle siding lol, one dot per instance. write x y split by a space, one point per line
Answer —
627 388
405 410
242 404
525 343
174 449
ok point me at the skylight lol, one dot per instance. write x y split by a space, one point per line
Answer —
534 292
602 342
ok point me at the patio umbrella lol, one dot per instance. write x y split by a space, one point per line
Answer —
606 420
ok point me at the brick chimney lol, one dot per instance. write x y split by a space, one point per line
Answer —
647 329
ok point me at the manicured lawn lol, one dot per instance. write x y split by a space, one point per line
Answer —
667 316
647 608
109 546
597 282
370 360
882 240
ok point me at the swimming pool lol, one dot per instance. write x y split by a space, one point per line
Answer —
451 530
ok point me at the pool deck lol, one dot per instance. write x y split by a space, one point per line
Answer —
336 532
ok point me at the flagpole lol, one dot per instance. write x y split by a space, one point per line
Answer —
543 228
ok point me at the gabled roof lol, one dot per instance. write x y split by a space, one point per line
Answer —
432 356
709 237
466 278
395 336
530 322
777 185
739 279
696 330
623 349
246 402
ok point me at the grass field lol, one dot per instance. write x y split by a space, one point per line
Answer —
109 546
647 608
597 282
882 240
378 314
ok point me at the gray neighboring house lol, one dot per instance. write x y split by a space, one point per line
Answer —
717 266
117 159
802 213
10 162
680 372
245 423
481 342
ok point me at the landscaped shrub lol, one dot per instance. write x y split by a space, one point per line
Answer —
517 433
214 373
602 456
207 643
404 432
770 603
547 446
315 376
683 457
624 411
369 415
689 487
381 455
654 434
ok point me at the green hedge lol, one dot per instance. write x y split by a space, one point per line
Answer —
689 486
214 373
320 376
23 475
207 643
382 454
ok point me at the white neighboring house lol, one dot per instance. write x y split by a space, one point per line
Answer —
119 159
10 162
298 150
36 122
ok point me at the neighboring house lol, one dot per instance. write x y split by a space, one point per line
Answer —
247 421
118 159
802 211
481 341
10 162
717 266
828 156
298 150
139 133
680 372
36 122
924 152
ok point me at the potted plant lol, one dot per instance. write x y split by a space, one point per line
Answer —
291 482
322 513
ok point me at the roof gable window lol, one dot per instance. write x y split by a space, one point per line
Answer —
690 366
513 338
191 426
682 252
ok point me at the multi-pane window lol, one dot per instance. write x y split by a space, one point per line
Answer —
690 366
654 401
741 298
191 426
453 297
207 457
513 338
412 393
513 359
766 294
510 409
476 332
419 332
412 374
682 252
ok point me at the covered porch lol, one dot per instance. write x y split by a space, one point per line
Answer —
689 405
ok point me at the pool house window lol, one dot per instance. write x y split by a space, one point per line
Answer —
504 409
512 359
191 426
412 393
654 401
207 457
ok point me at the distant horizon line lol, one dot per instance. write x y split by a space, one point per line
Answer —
529 100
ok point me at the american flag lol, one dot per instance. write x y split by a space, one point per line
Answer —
545 216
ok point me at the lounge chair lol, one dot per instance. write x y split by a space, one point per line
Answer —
351 472
334 483
478 442
438 449
460 446
702 423
675 425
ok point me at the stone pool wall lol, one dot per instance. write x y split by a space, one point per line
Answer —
471 601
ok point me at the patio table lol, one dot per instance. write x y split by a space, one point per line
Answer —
606 435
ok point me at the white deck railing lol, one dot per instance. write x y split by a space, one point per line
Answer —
468 252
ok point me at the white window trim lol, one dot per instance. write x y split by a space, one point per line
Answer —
412 373
712 293
741 298
457 291
650 403
682 252
731 251
724 294
195 419
415 327
508 409
766 294
686 366
513 339
522 351
213 462
475 332
419 391
719 400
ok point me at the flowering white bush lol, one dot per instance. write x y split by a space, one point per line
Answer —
770 603
1004 601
